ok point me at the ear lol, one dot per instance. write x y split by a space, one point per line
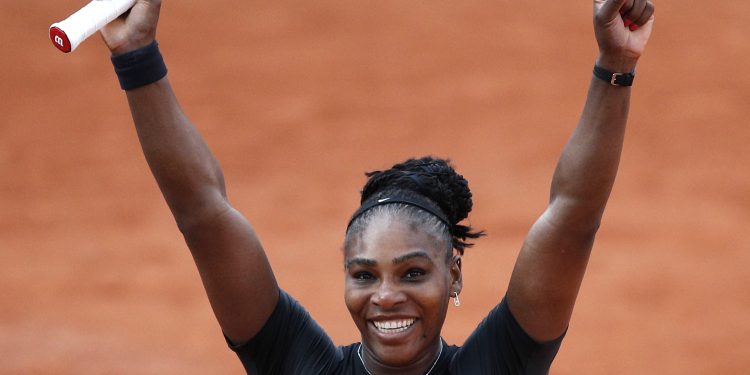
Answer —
457 282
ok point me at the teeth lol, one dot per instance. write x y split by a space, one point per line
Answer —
394 326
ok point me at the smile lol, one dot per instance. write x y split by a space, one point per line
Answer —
394 326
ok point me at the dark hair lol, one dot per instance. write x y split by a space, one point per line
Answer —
429 178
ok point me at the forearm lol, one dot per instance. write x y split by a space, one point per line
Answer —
187 173
588 165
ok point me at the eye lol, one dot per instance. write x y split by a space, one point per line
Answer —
414 273
363 276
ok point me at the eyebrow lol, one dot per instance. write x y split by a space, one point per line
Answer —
372 263
360 262
412 255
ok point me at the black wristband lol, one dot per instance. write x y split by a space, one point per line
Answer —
139 67
615 79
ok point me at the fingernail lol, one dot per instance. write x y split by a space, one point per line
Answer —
634 27
627 22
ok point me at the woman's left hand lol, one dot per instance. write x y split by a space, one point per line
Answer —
622 29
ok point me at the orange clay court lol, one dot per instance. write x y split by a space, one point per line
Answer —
297 99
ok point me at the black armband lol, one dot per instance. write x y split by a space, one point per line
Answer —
139 67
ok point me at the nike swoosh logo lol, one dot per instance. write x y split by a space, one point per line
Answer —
383 200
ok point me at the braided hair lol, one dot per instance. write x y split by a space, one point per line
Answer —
427 179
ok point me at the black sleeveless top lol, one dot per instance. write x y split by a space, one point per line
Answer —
291 343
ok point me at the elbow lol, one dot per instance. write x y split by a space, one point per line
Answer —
576 216
589 228
201 213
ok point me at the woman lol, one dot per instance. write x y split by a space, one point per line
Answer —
403 247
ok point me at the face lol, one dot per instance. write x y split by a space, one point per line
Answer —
397 289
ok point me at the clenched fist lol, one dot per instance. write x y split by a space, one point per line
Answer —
622 29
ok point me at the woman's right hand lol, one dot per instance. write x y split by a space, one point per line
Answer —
134 29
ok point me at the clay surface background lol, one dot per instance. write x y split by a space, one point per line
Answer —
299 98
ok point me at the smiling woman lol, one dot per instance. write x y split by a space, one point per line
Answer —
403 246
401 266
402 257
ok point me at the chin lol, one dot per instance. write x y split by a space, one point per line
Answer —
394 356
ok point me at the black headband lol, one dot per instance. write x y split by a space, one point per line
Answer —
415 201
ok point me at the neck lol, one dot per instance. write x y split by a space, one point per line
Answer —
422 366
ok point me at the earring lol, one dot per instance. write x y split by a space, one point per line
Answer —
456 301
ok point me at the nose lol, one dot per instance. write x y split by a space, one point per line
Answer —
387 296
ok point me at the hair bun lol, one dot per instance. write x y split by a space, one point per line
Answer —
432 178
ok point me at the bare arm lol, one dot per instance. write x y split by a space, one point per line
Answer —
552 262
233 266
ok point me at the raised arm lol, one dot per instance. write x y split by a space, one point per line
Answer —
231 261
552 262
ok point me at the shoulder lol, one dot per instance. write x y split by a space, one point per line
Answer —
499 343
288 342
